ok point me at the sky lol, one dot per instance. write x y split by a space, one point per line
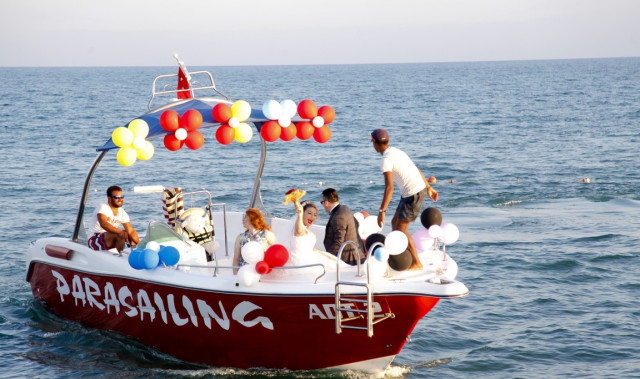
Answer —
299 32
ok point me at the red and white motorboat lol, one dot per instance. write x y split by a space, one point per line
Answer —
197 310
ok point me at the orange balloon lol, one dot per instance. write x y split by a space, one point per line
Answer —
172 143
194 140
221 113
170 120
288 133
327 113
225 134
270 131
305 130
307 109
322 134
191 120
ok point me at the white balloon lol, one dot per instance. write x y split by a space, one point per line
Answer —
435 231
359 216
423 240
252 252
181 134
450 233
139 142
289 108
233 122
153 245
318 121
272 109
396 242
247 275
284 121
368 227
377 269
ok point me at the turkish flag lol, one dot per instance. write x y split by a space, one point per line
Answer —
183 84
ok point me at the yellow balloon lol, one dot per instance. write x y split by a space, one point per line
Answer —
145 152
243 133
127 156
241 109
122 137
139 128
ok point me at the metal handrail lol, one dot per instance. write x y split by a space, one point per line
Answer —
191 89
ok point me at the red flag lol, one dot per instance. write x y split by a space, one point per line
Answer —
183 84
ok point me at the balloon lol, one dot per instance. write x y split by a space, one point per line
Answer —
252 252
327 113
396 242
305 130
122 137
401 262
126 156
241 109
373 238
191 120
139 128
381 254
289 108
170 120
138 142
272 109
377 269
181 134
288 133
247 275
225 134
368 227
153 245
359 216
431 216
317 121
243 133
262 267
169 255
149 258
194 140
307 109
450 233
270 130
221 113
134 259
276 255
234 122
322 134
172 143
423 240
435 231
284 121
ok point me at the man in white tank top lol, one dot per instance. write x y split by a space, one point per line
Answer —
399 168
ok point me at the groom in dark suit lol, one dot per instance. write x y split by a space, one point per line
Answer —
341 227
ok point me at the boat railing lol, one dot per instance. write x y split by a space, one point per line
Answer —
209 211
216 268
194 86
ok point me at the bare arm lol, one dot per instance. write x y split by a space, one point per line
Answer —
433 194
132 235
388 193
299 229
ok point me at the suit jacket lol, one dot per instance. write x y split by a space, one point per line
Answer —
341 227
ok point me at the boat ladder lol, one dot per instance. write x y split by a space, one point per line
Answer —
340 299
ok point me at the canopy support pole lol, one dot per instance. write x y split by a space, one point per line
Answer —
85 194
256 197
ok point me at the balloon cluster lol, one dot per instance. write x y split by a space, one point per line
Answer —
153 255
183 130
280 126
434 231
233 122
132 143
260 262
367 225
393 251
318 126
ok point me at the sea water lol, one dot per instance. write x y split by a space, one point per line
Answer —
536 162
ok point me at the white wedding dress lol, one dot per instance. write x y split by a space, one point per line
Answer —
302 252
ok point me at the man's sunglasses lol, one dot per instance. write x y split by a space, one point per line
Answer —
117 197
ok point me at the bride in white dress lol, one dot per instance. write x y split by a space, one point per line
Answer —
302 249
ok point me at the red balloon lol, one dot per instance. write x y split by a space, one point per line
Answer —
262 268
307 109
191 120
288 133
327 113
270 131
172 143
225 134
170 120
221 113
276 255
305 130
194 140
322 134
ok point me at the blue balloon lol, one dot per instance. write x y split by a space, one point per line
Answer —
149 259
381 254
134 259
169 255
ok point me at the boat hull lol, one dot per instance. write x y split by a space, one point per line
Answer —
230 328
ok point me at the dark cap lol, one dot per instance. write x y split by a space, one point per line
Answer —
380 135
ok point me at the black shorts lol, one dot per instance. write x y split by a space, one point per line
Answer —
409 207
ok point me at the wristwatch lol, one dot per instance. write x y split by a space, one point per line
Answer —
381 210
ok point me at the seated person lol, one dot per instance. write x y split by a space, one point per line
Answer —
106 222
257 230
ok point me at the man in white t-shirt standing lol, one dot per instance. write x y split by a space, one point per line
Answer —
107 221
399 168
